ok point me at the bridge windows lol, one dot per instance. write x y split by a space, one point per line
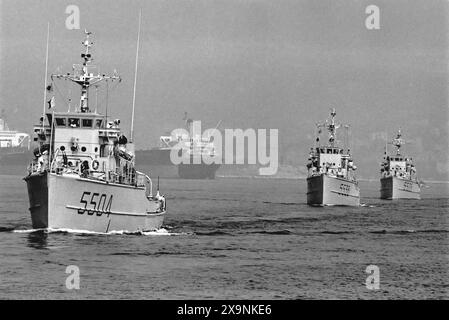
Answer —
98 123
61 122
87 123
74 122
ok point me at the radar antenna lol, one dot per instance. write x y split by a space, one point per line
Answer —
83 77
398 141
332 128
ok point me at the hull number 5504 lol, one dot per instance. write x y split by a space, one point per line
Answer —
95 203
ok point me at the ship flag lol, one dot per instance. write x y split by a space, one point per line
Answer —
51 103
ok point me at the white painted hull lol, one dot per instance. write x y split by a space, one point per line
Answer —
324 190
71 202
398 188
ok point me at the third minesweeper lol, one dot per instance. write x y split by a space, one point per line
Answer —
83 175
331 179
398 174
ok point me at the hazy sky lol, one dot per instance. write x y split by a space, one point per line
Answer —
253 64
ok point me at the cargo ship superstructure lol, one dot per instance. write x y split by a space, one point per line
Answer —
398 174
158 160
83 176
331 176
14 145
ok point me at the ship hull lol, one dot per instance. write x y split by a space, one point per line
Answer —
397 188
323 190
12 150
169 171
197 171
14 160
158 163
153 157
70 202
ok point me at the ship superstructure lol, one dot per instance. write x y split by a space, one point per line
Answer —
193 146
331 176
83 176
14 147
196 146
398 174
11 140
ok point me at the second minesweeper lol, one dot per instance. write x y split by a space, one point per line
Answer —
331 179
398 174
83 175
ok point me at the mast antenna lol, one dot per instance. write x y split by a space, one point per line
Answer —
107 102
135 78
46 74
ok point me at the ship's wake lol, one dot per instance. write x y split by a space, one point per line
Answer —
159 232
367 205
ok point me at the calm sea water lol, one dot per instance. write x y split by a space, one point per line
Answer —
237 239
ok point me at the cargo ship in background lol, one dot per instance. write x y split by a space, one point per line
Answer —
398 174
14 147
158 162
331 179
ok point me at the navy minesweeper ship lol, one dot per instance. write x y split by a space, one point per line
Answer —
331 179
398 174
83 175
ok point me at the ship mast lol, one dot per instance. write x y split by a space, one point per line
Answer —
332 128
83 77
398 142
46 75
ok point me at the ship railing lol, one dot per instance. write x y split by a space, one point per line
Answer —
58 167
36 167
144 180
113 177
39 165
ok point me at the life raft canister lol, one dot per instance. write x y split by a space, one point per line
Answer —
95 164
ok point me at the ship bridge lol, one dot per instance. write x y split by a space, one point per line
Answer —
80 137
396 164
330 158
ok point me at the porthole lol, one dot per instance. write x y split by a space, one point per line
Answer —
62 148
83 149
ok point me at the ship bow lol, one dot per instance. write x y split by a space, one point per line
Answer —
38 199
